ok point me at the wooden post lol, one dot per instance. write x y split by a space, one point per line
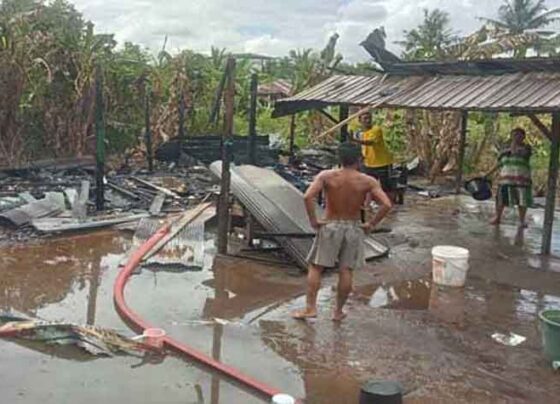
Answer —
462 146
181 134
551 185
215 112
99 141
253 120
343 114
292 135
223 207
148 131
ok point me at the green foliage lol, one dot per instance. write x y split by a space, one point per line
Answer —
49 54
429 40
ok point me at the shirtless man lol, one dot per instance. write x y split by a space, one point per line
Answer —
340 234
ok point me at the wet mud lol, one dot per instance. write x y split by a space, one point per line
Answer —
435 341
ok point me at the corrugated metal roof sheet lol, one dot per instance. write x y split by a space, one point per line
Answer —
276 87
496 66
535 91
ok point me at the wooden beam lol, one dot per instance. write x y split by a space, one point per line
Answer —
542 127
218 98
462 147
148 131
292 134
329 116
223 207
253 120
181 131
551 185
342 115
99 141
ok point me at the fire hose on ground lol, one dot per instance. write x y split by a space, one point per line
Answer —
139 325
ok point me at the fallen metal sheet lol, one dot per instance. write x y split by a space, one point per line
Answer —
95 340
58 225
279 207
51 205
184 252
79 207
11 202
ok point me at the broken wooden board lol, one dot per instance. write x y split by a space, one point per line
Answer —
184 252
186 219
59 225
157 204
156 187
51 205
123 191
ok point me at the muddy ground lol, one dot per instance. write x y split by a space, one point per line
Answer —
436 342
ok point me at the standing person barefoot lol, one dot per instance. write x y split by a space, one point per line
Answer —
514 182
340 234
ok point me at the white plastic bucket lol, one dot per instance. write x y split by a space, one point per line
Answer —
283 399
450 265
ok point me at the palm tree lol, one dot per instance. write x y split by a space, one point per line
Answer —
430 38
520 18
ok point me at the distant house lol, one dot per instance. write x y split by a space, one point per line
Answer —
276 90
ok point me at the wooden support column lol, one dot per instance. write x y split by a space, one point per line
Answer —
99 141
343 114
181 131
148 131
253 120
462 146
215 112
292 135
551 185
223 207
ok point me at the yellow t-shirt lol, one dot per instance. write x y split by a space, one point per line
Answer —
376 155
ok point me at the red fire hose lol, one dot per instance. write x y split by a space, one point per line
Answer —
139 325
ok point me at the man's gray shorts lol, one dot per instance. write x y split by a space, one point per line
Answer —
339 242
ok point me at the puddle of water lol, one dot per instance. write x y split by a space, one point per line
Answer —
408 295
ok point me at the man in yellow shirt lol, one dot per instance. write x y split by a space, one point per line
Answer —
377 159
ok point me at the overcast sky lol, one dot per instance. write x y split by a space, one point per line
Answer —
273 27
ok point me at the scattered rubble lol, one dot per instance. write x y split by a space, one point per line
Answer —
59 197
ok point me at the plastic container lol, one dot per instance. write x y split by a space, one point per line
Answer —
480 188
283 399
550 332
450 265
381 392
154 337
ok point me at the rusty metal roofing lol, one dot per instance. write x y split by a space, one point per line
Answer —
535 91
280 86
496 66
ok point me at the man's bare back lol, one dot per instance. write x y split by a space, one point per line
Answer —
345 193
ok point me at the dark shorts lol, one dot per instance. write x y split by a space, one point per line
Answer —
512 195
382 174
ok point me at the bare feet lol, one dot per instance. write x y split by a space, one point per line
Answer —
304 314
338 316
495 221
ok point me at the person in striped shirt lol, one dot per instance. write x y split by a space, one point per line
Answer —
514 180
